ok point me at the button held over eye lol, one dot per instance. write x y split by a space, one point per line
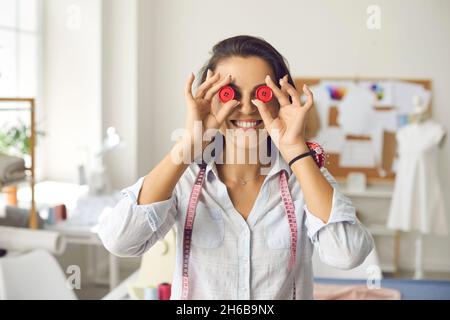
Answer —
226 94
264 93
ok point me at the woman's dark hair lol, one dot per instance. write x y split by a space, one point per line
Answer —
247 46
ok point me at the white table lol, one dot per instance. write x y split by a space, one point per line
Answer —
75 230
88 236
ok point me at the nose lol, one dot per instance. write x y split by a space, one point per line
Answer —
247 107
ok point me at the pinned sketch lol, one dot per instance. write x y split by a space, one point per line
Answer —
337 90
356 112
357 154
376 138
382 90
404 94
402 120
332 139
386 119
358 121
322 103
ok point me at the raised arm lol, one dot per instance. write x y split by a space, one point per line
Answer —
148 209
341 240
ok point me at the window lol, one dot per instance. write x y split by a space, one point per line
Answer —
20 42
20 34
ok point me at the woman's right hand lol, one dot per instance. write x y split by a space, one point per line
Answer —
199 114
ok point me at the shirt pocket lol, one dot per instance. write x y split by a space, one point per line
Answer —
277 234
208 231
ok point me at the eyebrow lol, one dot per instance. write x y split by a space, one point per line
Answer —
239 89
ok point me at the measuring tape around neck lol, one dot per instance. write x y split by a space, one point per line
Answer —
189 224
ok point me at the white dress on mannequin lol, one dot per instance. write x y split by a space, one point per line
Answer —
417 202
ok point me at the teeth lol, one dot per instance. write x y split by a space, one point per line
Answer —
246 124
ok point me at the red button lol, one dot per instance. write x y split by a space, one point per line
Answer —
264 93
226 94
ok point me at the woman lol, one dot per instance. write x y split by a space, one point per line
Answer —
236 236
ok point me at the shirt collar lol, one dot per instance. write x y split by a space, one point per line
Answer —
278 164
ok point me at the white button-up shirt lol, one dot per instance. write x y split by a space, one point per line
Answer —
234 258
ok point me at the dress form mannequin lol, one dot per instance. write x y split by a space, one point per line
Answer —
417 204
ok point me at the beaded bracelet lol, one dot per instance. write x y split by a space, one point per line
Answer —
315 151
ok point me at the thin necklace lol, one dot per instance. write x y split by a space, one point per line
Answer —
242 182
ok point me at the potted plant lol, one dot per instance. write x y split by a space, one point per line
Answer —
15 140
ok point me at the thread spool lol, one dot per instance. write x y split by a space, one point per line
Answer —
11 195
60 212
51 219
151 293
164 290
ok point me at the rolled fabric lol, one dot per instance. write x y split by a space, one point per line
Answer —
19 239
11 169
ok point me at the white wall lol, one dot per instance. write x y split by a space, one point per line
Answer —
319 38
71 104
147 137
90 84
119 86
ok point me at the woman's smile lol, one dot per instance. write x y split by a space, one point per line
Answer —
246 124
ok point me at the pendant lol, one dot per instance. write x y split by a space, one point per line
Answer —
243 183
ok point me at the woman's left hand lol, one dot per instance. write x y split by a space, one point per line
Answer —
287 130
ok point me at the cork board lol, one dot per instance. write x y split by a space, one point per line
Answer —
389 140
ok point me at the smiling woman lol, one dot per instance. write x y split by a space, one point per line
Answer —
248 229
